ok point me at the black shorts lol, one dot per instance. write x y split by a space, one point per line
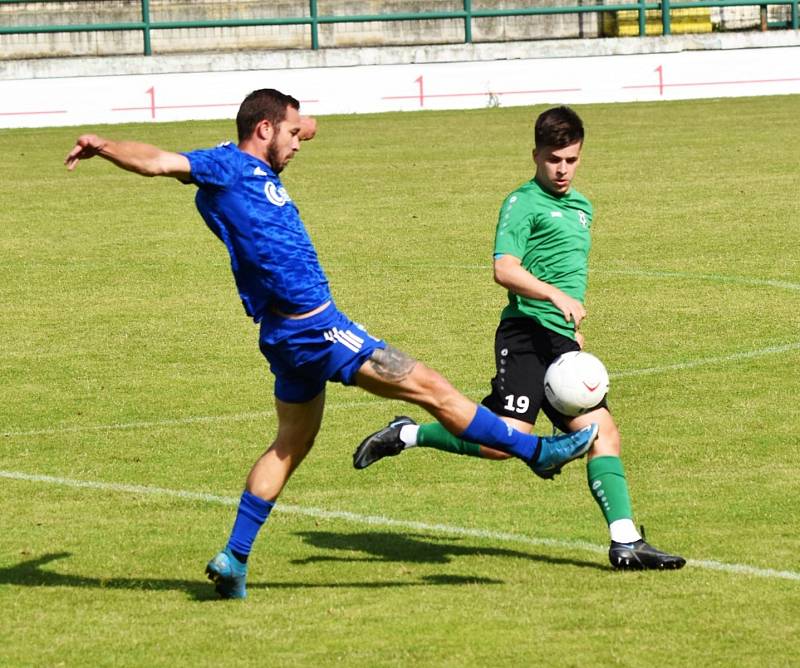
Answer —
523 350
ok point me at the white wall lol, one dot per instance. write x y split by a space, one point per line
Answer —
173 96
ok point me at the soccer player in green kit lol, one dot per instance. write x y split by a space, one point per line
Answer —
541 255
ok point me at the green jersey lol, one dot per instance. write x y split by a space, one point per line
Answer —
550 234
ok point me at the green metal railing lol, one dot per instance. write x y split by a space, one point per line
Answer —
467 15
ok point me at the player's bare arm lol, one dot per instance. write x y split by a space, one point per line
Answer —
392 364
137 157
308 128
509 272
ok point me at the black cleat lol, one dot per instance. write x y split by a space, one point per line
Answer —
383 443
639 556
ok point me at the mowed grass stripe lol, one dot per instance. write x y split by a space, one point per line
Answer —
377 520
259 415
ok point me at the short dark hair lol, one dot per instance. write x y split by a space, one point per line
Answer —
558 127
263 104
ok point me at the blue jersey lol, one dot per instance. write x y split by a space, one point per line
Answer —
244 203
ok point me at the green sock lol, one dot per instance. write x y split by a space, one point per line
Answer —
609 487
434 435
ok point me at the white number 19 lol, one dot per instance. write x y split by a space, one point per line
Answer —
520 406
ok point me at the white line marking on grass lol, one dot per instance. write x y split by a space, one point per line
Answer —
260 415
707 361
144 424
716 278
644 273
376 520
177 422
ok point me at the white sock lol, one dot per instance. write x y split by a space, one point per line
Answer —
408 434
623 531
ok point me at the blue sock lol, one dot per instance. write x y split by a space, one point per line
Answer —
253 512
489 430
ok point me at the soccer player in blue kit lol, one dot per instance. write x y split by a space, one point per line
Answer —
304 337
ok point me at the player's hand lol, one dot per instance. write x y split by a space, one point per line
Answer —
308 128
87 146
572 309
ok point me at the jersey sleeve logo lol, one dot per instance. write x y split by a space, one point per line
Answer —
277 196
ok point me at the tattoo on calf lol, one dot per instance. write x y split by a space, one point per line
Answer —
392 364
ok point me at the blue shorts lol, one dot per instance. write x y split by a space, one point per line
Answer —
306 353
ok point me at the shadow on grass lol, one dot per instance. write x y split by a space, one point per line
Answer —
378 546
414 548
29 573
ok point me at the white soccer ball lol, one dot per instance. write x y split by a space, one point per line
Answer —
575 383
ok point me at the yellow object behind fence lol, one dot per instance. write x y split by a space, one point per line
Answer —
683 21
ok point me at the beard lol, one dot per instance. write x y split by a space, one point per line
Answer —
273 159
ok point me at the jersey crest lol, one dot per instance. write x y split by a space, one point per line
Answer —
277 196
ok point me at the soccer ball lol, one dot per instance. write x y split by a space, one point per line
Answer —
575 383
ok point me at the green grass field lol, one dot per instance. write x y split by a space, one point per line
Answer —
134 400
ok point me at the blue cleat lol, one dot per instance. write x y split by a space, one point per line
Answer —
228 574
556 451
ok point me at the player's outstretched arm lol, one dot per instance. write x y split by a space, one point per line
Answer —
144 159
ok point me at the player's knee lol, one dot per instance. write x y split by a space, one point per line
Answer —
608 442
305 445
293 443
437 392
429 389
